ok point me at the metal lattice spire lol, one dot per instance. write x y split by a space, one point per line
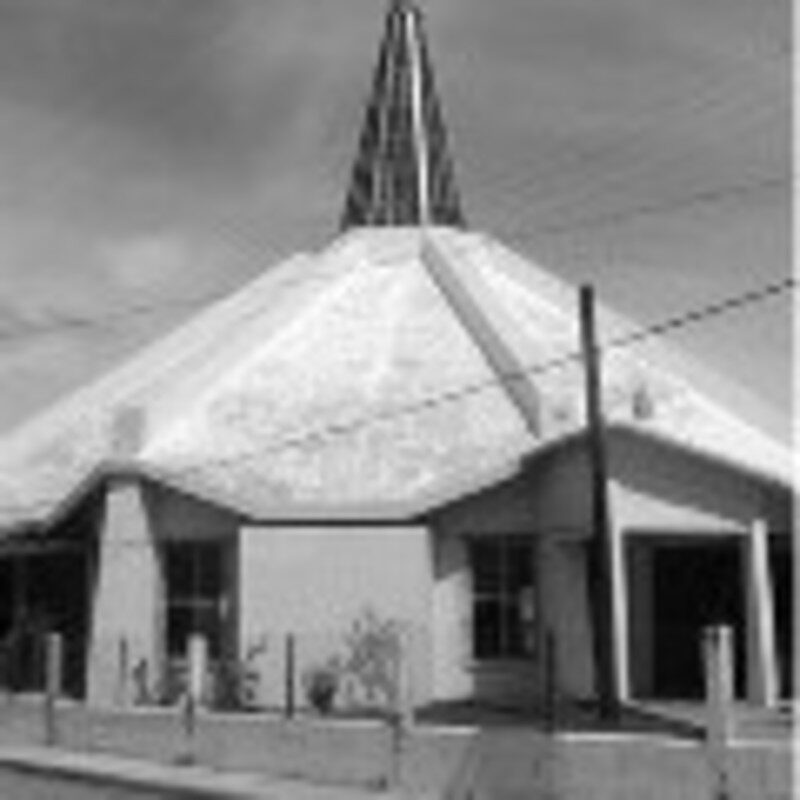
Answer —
403 173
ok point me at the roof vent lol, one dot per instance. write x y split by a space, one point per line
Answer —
127 432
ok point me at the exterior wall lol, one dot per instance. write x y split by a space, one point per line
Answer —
125 610
566 614
452 623
178 517
658 487
654 489
561 576
315 582
548 496
548 504
658 490
139 518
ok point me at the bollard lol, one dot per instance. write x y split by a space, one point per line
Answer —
198 668
193 696
53 665
289 676
718 662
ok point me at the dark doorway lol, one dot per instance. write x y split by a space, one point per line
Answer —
695 584
780 557
43 591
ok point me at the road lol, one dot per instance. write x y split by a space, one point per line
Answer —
16 785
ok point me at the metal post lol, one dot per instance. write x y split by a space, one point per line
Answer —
551 683
401 718
53 665
123 676
718 662
17 667
600 551
289 676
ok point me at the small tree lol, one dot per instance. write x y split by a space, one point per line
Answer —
372 657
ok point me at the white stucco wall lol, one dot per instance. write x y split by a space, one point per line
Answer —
452 620
549 504
657 491
316 581
562 571
665 489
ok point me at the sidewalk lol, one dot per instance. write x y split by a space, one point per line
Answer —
101 770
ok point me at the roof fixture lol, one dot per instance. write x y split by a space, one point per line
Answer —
403 173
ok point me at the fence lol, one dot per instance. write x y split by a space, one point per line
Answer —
371 672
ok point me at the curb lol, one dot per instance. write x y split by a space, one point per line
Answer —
199 782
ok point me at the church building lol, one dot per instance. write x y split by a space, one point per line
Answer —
396 423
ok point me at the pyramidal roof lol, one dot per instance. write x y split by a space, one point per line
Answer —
394 370
397 368
403 173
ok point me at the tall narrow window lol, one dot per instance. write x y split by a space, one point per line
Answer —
504 598
195 595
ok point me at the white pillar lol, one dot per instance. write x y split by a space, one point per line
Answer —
762 672
125 609
717 648
197 658
619 589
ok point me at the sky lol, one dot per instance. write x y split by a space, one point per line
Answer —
155 154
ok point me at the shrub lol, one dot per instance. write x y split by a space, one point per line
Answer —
372 656
321 684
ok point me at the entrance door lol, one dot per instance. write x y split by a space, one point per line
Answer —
695 584
196 603
782 582
42 592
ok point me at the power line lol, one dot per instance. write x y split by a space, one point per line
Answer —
690 317
627 145
231 228
706 312
703 197
57 323
722 93
706 196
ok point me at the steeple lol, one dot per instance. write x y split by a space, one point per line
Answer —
403 173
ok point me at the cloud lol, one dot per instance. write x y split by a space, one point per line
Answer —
151 148
147 263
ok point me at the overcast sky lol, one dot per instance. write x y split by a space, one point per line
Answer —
163 151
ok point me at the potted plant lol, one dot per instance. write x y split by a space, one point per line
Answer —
321 685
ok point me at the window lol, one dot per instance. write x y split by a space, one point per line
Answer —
195 595
504 623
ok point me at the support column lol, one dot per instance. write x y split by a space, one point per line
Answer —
125 613
619 600
762 667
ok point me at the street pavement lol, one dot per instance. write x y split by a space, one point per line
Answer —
51 774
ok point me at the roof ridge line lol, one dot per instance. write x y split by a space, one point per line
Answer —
500 358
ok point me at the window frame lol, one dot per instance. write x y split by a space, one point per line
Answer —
197 601
506 597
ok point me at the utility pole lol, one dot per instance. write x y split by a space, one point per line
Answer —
600 586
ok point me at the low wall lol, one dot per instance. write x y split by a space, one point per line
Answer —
502 762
